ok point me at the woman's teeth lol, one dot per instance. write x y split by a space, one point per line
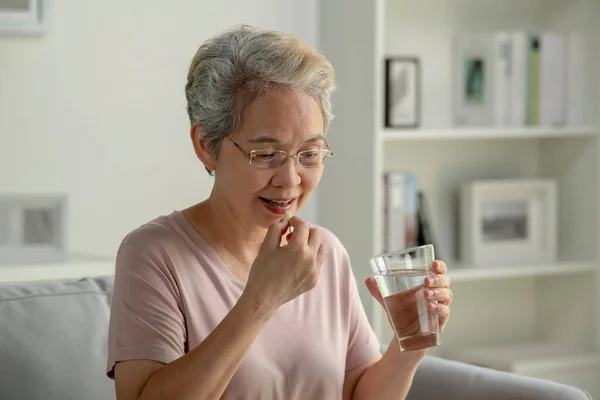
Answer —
276 203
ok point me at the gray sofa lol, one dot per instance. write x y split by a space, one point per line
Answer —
53 347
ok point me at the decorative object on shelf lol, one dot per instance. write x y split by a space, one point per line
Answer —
473 80
23 17
32 228
402 97
508 221
518 78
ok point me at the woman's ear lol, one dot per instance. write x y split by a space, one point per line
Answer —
197 134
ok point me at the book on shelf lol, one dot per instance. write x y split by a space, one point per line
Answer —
400 210
407 221
425 231
518 78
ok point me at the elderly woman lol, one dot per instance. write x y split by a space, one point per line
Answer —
228 299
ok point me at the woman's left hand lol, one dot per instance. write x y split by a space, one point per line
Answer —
437 291
438 288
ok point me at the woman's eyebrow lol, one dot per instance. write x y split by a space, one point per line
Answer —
269 139
263 139
315 139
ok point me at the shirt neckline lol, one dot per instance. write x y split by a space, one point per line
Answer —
201 242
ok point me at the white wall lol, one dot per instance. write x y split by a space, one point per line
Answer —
96 108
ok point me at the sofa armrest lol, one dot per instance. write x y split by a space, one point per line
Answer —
438 378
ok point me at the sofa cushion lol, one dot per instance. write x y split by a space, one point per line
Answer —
53 340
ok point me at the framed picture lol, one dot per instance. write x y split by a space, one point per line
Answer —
23 17
402 97
508 222
32 228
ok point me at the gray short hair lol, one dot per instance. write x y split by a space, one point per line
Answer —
238 66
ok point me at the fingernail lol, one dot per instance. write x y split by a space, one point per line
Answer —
429 293
430 280
433 306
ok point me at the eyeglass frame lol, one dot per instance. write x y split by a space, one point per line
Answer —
251 155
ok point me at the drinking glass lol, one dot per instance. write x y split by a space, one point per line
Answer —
400 276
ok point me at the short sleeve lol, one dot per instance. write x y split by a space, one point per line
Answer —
363 343
146 320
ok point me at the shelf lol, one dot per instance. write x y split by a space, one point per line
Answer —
390 134
464 273
526 358
73 268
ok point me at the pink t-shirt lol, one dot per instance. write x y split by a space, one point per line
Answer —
171 290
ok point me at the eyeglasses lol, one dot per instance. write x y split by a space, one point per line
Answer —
269 158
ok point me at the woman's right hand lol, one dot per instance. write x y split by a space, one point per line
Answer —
282 273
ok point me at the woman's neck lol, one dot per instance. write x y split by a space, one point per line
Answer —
236 243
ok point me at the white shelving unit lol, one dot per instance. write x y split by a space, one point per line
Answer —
392 135
75 266
538 359
471 273
546 317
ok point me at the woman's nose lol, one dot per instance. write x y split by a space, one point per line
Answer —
287 174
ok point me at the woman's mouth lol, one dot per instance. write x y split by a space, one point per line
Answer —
278 206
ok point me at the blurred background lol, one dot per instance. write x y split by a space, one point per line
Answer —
468 124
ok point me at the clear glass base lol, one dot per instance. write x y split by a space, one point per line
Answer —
419 342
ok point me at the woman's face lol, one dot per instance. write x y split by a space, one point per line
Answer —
282 120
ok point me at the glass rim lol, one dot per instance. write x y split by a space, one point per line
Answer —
403 251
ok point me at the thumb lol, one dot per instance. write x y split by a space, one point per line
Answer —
371 284
274 234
